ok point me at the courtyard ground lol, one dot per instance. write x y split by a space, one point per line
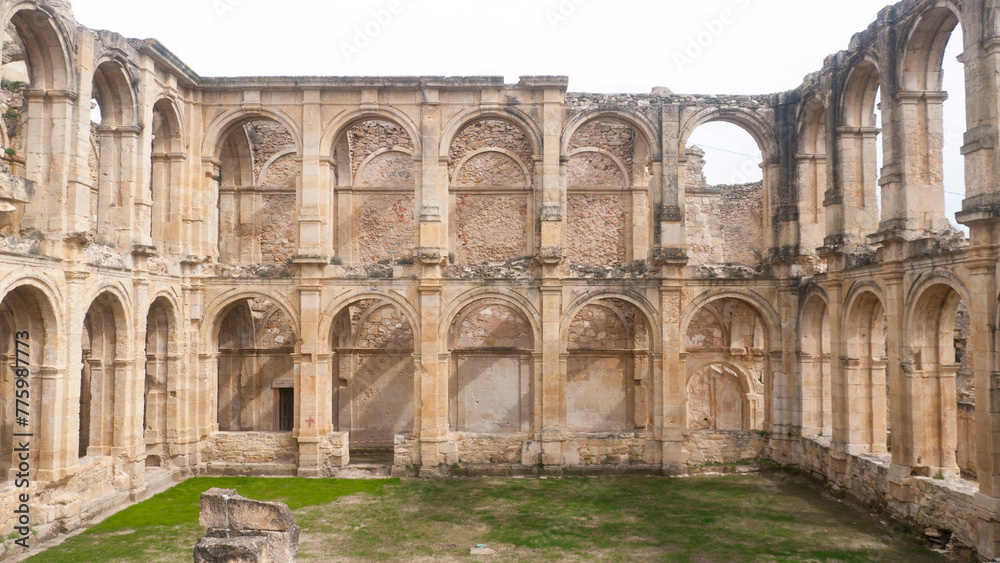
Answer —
770 517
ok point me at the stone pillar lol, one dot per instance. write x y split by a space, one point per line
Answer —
432 184
783 388
553 378
674 165
851 207
839 395
433 383
671 400
313 210
313 385
983 313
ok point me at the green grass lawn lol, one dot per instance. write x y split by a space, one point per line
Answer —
773 517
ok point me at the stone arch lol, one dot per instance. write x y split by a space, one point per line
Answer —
858 100
42 140
769 316
745 322
646 129
48 46
374 187
330 314
26 307
814 391
374 373
53 297
167 156
740 230
254 345
609 172
113 88
491 214
609 360
519 164
931 356
864 366
222 126
922 51
721 406
257 220
491 344
117 141
106 355
749 120
811 175
465 118
510 298
161 372
336 129
648 310
218 307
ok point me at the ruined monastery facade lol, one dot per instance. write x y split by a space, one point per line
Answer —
270 275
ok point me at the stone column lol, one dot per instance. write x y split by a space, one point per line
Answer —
839 395
313 385
912 193
983 313
433 383
851 207
671 400
671 216
553 378
784 407
313 213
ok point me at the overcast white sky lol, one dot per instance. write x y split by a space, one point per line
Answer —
709 46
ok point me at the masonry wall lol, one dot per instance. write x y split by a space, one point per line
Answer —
499 276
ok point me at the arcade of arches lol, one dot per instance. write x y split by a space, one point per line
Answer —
279 275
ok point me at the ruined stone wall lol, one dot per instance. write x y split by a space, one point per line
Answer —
238 448
601 237
706 446
725 223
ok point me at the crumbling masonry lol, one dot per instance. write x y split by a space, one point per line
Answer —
266 275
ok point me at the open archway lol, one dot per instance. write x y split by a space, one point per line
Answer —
160 381
727 203
727 367
257 194
256 385
104 352
815 384
373 376
26 334
866 419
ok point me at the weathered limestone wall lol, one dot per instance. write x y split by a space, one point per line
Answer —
497 274
708 446
251 448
